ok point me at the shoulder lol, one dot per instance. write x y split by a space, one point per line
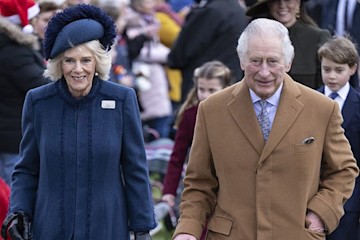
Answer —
312 30
43 92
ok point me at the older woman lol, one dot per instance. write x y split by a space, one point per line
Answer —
304 34
83 172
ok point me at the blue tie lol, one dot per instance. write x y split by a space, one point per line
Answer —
333 95
264 120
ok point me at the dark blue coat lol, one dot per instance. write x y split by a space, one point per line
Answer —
83 173
351 125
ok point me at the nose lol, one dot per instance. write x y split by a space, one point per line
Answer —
264 69
78 66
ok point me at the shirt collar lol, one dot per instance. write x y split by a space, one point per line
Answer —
273 100
342 92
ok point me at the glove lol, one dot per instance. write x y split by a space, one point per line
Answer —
142 236
18 226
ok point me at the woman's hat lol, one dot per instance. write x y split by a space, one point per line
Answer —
77 25
19 12
260 7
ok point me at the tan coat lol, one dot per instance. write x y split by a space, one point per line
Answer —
257 192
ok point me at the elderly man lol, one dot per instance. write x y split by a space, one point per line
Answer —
269 160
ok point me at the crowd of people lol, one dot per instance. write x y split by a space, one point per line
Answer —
237 85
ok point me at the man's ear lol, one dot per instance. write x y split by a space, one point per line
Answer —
353 69
288 67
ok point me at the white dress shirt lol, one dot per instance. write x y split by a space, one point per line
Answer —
342 94
272 104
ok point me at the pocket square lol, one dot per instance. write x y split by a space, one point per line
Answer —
308 140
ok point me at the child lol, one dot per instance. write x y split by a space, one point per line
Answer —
339 59
209 78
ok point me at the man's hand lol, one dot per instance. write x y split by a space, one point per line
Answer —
315 223
185 237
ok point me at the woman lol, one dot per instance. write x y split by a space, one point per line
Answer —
83 172
304 34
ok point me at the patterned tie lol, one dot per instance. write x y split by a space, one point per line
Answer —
264 120
333 95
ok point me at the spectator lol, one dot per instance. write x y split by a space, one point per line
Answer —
287 173
83 172
209 33
21 69
40 21
304 34
339 61
148 63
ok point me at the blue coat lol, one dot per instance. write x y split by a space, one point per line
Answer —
351 125
83 171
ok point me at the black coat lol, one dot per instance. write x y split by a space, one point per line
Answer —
210 32
21 69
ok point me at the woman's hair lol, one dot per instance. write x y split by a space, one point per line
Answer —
340 50
264 28
209 70
102 62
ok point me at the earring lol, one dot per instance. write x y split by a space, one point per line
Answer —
96 74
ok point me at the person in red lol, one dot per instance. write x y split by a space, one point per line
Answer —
4 200
209 78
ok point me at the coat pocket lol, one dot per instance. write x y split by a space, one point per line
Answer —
220 224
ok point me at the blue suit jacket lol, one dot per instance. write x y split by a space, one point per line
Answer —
351 125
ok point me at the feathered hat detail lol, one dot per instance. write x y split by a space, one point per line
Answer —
77 25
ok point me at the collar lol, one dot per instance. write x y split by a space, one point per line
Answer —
273 100
343 92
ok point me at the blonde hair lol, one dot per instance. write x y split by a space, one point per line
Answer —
209 70
102 62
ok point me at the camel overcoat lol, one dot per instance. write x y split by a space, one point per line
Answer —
249 190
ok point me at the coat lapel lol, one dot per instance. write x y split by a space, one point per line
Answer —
242 110
288 110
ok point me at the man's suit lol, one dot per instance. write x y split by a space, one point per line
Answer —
247 189
351 125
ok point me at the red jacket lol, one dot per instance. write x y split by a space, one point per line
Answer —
4 200
183 139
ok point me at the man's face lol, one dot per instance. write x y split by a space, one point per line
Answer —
41 21
264 66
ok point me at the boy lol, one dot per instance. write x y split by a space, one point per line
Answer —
339 60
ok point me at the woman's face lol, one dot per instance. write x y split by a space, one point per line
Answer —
78 67
284 11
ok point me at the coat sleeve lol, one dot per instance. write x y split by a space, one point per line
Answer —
339 171
198 199
26 172
135 170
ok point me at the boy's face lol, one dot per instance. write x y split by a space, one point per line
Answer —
335 75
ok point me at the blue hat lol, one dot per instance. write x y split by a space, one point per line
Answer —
77 25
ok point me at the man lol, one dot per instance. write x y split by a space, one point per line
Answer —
248 182
209 33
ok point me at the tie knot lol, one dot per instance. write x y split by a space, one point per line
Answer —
263 103
333 95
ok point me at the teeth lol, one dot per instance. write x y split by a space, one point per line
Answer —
79 78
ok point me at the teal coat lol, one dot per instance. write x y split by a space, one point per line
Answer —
83 171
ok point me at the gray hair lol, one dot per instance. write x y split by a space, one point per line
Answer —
265 28
102 62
